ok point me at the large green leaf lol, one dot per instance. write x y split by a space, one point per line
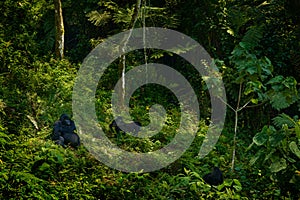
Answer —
278 165
276 138
261 137
294 148
297 130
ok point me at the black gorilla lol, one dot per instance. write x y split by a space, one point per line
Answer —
214 178
133 127
63 132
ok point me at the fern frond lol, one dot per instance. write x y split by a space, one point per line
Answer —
237 18
283 119
98 19
252 37
123 16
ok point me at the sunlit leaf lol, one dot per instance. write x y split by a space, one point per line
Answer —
297 130
294 148
261 137
278 165
230 31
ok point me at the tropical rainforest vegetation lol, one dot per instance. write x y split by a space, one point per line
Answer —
255 46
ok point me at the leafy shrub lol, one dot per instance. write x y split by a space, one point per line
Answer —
278 151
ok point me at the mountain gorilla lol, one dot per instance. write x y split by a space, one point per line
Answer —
214 178
129 127
63 132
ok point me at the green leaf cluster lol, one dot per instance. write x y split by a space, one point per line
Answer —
278 151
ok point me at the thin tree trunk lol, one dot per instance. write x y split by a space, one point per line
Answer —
122 65
60 32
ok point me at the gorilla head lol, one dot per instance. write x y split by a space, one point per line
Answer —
65 119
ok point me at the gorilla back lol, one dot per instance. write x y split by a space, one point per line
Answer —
214 178
133 127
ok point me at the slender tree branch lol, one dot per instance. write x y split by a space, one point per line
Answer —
239 97
245 105
227 104
257 105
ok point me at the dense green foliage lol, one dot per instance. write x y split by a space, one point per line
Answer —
255 45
